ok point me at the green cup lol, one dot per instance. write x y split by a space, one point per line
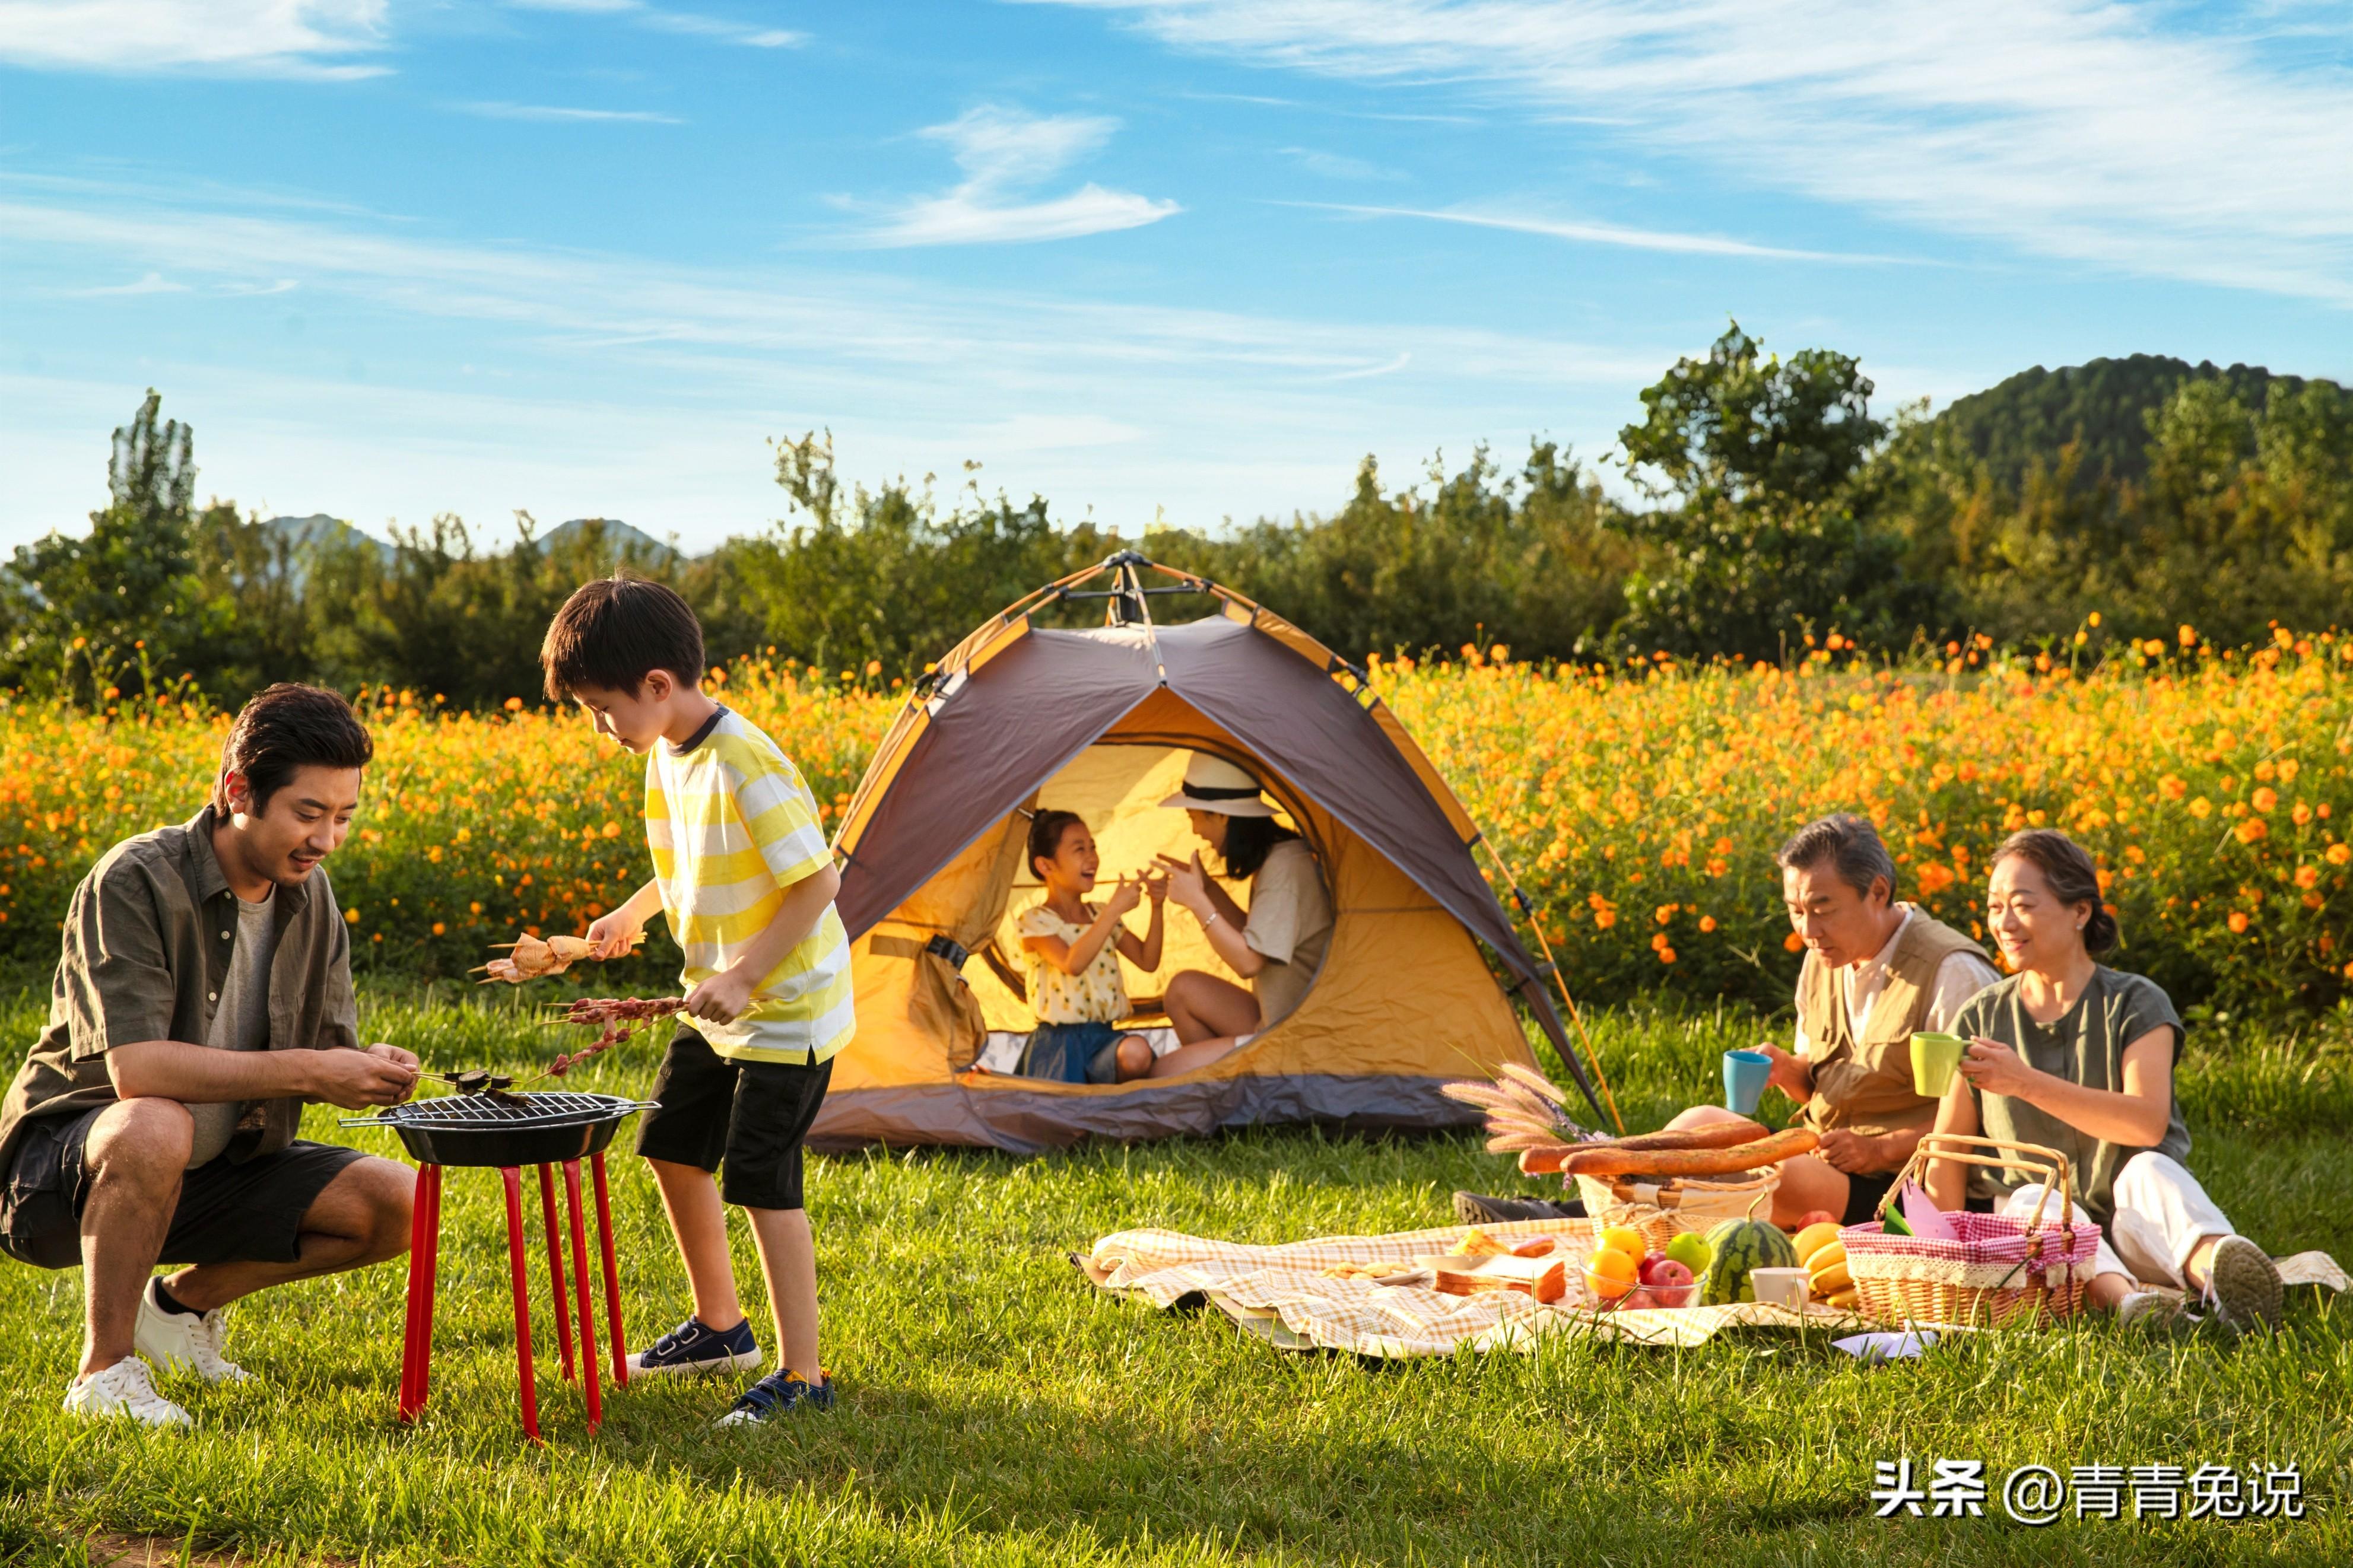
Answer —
1935 1059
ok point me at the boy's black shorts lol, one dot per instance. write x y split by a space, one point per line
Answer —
747 1116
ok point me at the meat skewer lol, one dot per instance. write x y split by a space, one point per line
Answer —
532 958
615 1017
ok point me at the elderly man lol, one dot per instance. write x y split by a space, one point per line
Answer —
1875 972
203 995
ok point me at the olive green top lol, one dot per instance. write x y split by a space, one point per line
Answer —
2086 1045
151 939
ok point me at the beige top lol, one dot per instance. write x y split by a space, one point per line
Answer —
1861 1066
1962 976
1290 926
1096 995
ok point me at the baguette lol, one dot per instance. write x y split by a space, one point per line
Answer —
1745 1156
1708 1135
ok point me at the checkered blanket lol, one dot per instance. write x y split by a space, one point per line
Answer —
1282 1294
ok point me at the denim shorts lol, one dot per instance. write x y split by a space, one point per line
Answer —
1072 1053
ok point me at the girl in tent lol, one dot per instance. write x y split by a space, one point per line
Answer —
1278 945
1074 949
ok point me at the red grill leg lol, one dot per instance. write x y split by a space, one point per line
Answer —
612 1275
556 1267
580 1288
416 1340
512 1177
432 1278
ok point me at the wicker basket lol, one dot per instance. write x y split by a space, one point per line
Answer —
1664 1210
2001 1271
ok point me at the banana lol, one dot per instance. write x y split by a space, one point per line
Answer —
1845 1301
1831 1280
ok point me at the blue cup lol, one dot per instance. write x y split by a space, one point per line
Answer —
1743 1080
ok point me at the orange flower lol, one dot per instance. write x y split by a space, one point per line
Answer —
1708 922
2307 876
2339 853
2252 830
2238 921
2264 798
1793 942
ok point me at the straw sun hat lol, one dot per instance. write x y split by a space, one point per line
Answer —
1212 783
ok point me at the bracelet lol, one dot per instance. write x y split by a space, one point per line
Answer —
1215 915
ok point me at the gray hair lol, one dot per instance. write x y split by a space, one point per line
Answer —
1849 842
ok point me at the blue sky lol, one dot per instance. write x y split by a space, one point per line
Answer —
392 257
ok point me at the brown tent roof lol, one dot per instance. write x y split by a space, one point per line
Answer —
1012 708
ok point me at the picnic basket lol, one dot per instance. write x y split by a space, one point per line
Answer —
1661 1210
1998 1269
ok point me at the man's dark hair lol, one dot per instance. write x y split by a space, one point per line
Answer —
2075 879
1849 842
286 728
613 632
1249 841
1046 830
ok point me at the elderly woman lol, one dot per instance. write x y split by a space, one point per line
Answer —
1277 946
2077 1057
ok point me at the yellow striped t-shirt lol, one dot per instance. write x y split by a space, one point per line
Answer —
731 826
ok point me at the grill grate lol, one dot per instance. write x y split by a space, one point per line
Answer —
553 1109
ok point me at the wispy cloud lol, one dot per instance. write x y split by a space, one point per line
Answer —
1005 154
559 115
721 29
152 283
2162 141
1337 165
303 38
1591 233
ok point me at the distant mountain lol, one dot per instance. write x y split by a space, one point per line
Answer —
319 529
2036 411
616 541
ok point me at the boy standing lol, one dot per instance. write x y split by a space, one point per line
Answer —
744 876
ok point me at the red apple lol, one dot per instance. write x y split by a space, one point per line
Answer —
1644 1269
1815 1216
1670 1284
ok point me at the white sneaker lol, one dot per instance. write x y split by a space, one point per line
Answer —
178 1342
123 1389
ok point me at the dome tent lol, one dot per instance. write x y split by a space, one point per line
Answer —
1021 717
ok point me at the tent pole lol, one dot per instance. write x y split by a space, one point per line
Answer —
1535 929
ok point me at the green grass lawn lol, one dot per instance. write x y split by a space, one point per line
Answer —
998 1410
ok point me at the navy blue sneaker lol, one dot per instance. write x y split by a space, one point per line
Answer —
693 1347
775 1394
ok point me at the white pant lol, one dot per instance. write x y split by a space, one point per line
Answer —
2162 1213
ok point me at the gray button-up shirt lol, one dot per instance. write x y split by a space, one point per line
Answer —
149 938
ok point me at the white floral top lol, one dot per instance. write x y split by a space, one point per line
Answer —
1096 995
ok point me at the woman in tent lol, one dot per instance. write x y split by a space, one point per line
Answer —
2076 1057
1277 946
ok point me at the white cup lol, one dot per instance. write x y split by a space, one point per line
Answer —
1785 1286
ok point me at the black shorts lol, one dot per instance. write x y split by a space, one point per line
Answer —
748 1116
1863 1191
228 1213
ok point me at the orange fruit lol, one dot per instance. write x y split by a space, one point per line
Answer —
1622 1238
1611 1273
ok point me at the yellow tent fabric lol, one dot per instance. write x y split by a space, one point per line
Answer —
1022 719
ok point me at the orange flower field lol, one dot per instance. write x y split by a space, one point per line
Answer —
1638 809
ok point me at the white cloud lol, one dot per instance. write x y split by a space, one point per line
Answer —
152 283
1004 153
645 389
261 37
566 116
2151 140
749 35
1337 165
1587 232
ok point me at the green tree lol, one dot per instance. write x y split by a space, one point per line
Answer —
1766 526
95 614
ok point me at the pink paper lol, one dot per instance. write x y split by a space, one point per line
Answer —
1927 1221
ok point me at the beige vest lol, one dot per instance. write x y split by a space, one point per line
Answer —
1865 1086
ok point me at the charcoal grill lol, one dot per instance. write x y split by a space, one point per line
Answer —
492 1127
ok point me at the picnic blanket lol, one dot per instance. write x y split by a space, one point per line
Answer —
1282 1294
